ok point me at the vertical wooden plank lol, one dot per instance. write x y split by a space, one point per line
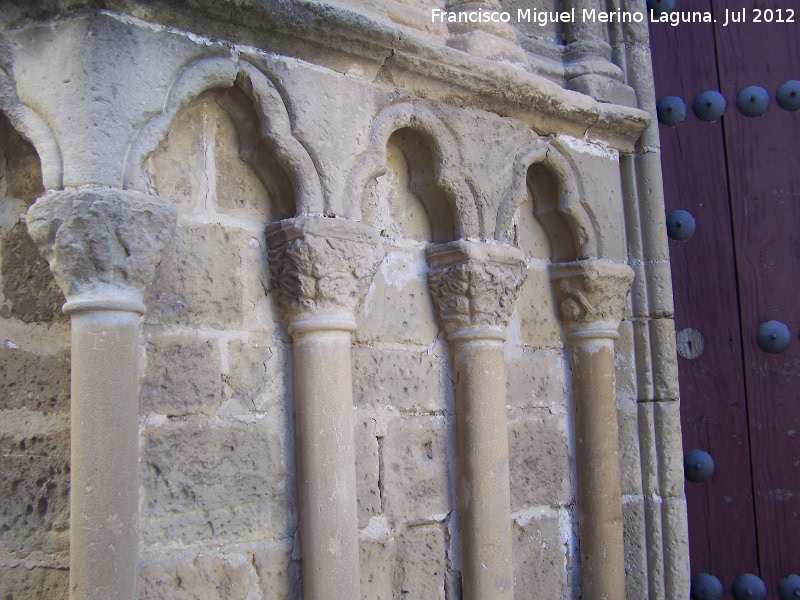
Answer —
713 414
764 172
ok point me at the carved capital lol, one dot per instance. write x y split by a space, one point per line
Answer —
591 295
321 267
475 285
103 245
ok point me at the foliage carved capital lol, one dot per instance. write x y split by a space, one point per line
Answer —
592 296
321 266
475 285
101 243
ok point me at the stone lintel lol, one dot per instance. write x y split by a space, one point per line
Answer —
592 296
103 244
474 287
321 268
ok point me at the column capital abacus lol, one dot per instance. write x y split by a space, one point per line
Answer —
321 269
474 287
103 244
592 296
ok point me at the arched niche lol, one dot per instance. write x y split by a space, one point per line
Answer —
213 158
433 160
406 201
545 180
258 110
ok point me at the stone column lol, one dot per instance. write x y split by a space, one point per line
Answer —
103 246
589 69
474 286
495 41
321 269
592 295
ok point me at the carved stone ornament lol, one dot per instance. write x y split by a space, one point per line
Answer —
321 266
101 243
592 295
475 284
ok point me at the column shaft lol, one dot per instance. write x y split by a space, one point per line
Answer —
483 478
104 494
599 494
326 464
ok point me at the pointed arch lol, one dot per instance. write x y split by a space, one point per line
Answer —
570 198
446 157
275 126
35 130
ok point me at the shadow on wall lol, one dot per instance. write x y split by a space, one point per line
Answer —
34 392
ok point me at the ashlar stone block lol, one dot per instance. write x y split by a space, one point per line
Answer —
34 381
204 578
539 324
406 380
539 558
417 459
182 376
34 493
535 379
278 573
367 470
259 371
539 460
214 482
19 583
399 289
198 280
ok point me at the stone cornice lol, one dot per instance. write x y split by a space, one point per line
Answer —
321 267
475 286
592 296
103 245
407 60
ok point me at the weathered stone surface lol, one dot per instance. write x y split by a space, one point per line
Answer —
197 282
406 380
182 377
535 379
204 578
539 460
34 381
97 238
420 570
539 559
633 521
259 371
19 165
399 289
177 168
416 463
34 492
665 361
539 321
409 564
278 573
30 291
367 471
34 584
214 482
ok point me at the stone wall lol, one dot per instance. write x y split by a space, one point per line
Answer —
239 116
34 393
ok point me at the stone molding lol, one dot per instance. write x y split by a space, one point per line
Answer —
591 295
103 245
321 266
474 286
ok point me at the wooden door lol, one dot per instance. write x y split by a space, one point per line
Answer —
740 179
